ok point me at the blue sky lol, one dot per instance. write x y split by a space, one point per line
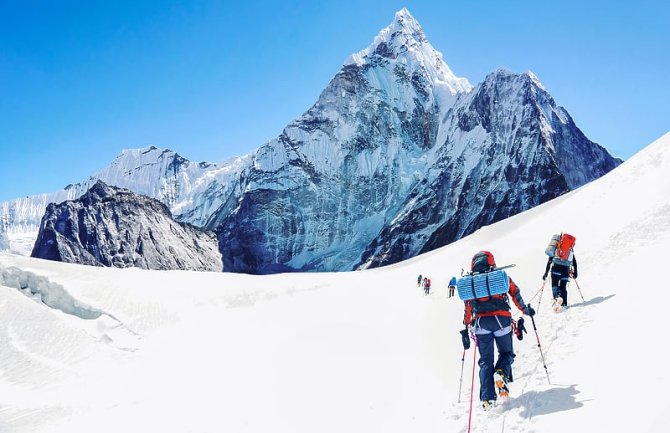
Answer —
82 80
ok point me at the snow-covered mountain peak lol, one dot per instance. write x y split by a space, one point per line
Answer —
404 25
404 43
526 86
507 74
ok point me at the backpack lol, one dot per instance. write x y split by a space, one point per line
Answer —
553 244
560 249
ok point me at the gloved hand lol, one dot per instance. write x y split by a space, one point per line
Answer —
574 274
465 337
528 311
544 277
520 329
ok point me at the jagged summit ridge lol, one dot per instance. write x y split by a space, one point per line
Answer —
404 43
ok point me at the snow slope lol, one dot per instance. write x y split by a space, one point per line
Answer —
179 351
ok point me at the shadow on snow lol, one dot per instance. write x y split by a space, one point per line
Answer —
593 301
534 403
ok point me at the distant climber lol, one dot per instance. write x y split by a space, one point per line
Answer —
563 265
452 286
426 285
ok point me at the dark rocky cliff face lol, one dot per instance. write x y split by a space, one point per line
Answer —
110 226
402 181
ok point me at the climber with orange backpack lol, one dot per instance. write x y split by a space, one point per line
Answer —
563 265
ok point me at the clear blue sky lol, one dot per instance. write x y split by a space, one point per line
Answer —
82 80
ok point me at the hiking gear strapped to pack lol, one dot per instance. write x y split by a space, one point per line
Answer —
553 244
485 280
560 249
483 285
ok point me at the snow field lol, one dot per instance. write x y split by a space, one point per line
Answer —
359 351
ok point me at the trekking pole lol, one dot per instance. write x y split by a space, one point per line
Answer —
460 384
544 281
544 363
472 384
578 288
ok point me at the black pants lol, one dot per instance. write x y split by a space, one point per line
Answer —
559 285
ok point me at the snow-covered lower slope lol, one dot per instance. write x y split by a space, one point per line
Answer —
180 351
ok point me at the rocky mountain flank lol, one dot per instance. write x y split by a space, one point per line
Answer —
109 226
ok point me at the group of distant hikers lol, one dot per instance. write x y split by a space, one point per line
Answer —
424 283
486 291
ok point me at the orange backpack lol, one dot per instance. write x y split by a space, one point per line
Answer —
564 248
560 249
